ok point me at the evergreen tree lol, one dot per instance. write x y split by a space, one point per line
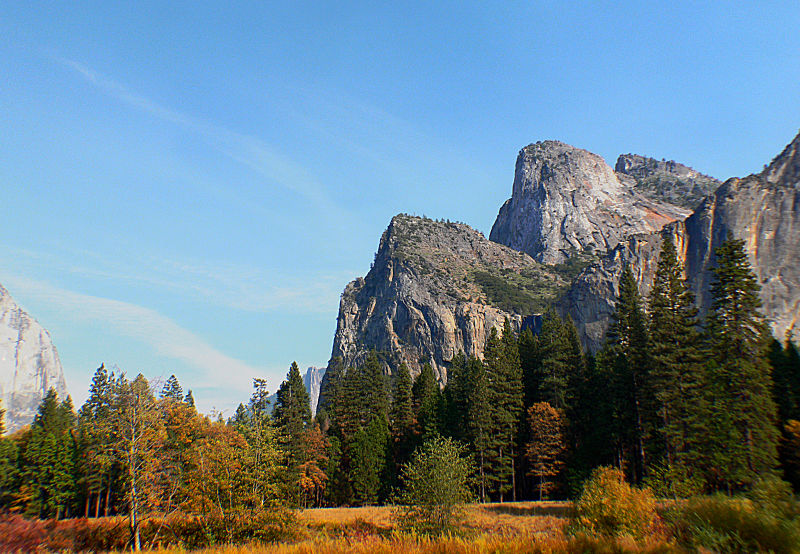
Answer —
455 398
402 418
744 413
505 399
98 470
677 380
189 398
555 356
479 419
292 415
427 404
626 359
530 362
172 389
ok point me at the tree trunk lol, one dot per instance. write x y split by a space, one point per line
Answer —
97 506
88 501
108 498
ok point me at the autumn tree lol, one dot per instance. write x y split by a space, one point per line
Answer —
546 446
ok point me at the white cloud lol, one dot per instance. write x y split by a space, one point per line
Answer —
162 334
247 150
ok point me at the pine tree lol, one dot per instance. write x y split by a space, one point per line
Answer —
677 381
455 398
189 398
504 393
172 389
555 353
744 413
95 451
626 359
402 418
479 421
292 415
427 404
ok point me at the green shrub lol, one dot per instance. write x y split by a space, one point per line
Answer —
767 521
609 507
435 484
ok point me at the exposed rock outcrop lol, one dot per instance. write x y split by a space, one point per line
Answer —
568 201
436 289
312 381
762 209
665 181
29 364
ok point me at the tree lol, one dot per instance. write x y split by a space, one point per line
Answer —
479 421
546 446
504 393
189 398
626 359
292 415
368 458
95 451
172 389
677 380
744 413
436 483
139 438
402 418
427 403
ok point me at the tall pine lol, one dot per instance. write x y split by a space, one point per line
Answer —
744 413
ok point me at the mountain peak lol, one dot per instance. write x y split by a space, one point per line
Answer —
785 168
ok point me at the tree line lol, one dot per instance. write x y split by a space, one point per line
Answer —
681 405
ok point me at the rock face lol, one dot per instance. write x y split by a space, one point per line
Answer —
29 364
568 201
436 289
312 381
762 209
665 181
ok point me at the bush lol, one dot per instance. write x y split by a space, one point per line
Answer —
435 485
609 507
767 521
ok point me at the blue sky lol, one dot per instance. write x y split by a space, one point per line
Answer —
187 188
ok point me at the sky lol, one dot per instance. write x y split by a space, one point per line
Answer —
187 187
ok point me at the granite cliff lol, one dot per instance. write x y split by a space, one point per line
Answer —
29 364
567 201
762 209
435 289
571 225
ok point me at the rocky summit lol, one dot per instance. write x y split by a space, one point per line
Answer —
665 181
564 237
567 202
29 364
435 289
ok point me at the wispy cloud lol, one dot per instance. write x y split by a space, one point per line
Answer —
222 283
163 335
248 150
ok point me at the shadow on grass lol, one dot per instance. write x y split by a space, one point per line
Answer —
539 509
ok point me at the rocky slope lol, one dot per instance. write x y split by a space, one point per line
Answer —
665 181
312 381
567 201
762 209
437 288
29 364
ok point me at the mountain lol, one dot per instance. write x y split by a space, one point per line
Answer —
29 364
567 202
665 181
762 209
437 288
312 381
571 225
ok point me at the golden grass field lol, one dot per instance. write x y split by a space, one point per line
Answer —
519 527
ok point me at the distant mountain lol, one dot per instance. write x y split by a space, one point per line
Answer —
29 364
312 381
